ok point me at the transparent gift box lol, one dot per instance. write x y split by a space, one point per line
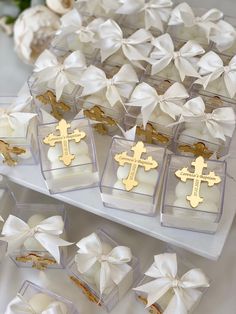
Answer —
41 298
86 9
17 145
193 193
88 283
32 253
68 161
157 130
132 177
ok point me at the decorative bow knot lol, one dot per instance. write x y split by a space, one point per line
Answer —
155 11
184 59
133 47
186 293
183 14
18 306
171 103
220 122
15 232
60 74
111 265
94 80
224 35
212 67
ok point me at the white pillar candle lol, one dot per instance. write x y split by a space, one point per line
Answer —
40 301
32 244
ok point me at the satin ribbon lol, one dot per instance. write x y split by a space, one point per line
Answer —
212 67
15 232
90 252
112 40
183 14
121 84
186 293
220 123
20 306
224 35
155 11
146 97
184 59
49 68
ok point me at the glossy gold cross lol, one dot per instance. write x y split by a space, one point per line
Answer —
6 151
38 262
64 138
134 163
198 177
197 149
151 134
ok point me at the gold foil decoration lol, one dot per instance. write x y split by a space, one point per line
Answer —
163 86
57 107
6 151
135 162
151 134
216 101
64 138
198 177
153 309
197 149
97 114
86 291
38 262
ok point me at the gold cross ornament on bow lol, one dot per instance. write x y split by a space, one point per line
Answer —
135 162
64 138
198 177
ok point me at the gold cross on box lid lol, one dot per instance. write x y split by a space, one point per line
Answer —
198 177
135 162
64 138
6 150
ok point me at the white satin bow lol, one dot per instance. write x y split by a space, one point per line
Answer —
186 293
224 35
112 40
94 80
220 123
91 251
146 97
183 14
155 11
184 59
60 74
15 232
211 67
20 306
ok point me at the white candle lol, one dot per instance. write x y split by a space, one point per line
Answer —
40 301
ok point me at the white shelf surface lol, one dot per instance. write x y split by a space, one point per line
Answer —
209 246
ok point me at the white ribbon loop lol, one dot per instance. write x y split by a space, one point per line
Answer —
91 251
20 306
112 40
155 11
224 35
183 14
186 292
146 97
120 85
184 59
15 232
212 67
60 74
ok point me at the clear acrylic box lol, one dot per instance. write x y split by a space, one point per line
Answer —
31 254
177 212
29 290
83 170
143 198
109 299
157 130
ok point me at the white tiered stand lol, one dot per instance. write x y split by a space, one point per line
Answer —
143 234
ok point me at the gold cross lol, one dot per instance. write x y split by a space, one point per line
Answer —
50 99
198 177
97 114
151 134
154 309
38 262
64 139
135 162
197 149
6 151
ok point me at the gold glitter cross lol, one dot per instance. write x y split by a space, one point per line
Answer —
6 151
64 138
135 162
198 177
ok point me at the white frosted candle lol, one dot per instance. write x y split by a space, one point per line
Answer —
40 301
